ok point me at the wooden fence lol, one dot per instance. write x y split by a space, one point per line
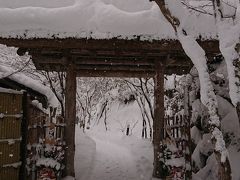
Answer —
10 134
177 136
37 119
23 131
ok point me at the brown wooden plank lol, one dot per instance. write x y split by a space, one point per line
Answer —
70 117
158 122
9 173
10 103
129 68
123 74
106 44
179 70
112 62
92 61
10 153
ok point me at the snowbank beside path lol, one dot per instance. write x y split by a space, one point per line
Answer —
100 19
84 155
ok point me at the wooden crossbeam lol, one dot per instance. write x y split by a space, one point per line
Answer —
129 62
112 57
211 46
111 73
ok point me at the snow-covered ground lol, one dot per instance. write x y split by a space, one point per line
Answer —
109 156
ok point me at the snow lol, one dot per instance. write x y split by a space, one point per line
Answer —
10 141
14 165
177 162
37 104
119 117
100 19
208 97
229 122
42 3
220 144
84 155
4 90
234 157
69 178
195 134
28 82
210 171
48 162
108 155
204 147
228 32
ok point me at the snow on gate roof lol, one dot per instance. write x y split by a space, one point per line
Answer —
99 19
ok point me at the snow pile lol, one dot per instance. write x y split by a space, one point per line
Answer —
100 19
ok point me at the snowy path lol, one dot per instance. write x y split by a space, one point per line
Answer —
101 156
113 162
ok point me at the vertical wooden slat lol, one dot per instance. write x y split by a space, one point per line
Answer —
25 104
158 123
70 116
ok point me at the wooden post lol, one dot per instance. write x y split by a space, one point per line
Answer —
70 116
187 131
158 122
24 132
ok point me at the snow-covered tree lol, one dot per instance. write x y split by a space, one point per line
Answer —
174 12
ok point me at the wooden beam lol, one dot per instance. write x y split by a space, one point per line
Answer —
179 70
49 60
129 68
70 118
123 74
119 61
158 122
211 46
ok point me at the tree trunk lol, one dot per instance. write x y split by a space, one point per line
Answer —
158 122
70 116
224 169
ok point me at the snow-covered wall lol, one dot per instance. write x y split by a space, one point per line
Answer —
98 19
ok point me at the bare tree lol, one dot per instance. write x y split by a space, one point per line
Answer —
56 82
142 88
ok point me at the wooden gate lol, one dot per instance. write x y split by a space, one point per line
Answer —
177 146
11 113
